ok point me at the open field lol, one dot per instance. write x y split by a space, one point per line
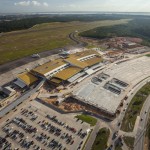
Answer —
100 142
134 108
43 37
118 147
88 119
129 142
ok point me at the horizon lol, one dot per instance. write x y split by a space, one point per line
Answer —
77 12
24 6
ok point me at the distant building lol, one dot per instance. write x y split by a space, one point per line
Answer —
129 44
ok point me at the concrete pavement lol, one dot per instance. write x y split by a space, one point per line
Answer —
18 101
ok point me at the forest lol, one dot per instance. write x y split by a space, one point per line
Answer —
19 22
137 27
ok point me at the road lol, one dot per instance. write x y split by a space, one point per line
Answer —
20 62
122 114
139 139
92 137
79 43
18 101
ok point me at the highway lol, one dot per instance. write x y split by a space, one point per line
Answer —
140 132
139 139
18 101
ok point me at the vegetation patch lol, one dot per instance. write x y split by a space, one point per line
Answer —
88 119
101 140
42 37
118 147
138 27
129 141
148 55
134 108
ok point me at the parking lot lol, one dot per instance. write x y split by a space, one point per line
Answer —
38 127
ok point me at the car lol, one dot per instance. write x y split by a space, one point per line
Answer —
125 109
119 123
115 135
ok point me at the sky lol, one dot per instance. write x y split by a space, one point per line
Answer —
20 6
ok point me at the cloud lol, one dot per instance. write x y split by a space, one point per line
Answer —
45 4
35 3
31 3
23 3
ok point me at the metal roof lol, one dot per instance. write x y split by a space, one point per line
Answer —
27 78
93 61
83 54
77 63
67 73
47 67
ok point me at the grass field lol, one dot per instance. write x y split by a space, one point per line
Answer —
101 140
148 55
129 142
17 44
118 147
88 119
134 108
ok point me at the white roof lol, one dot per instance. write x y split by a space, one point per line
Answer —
89 71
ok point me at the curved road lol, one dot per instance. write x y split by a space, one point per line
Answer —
20 62
139 139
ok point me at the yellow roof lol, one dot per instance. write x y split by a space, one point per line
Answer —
67 73
57 81
47 67
27 78
93 61
83 54
76 62
82 64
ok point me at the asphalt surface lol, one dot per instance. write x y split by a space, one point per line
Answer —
139 140
18 101
140 132
92 137
20 62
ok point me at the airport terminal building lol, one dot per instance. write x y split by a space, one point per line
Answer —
70 68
